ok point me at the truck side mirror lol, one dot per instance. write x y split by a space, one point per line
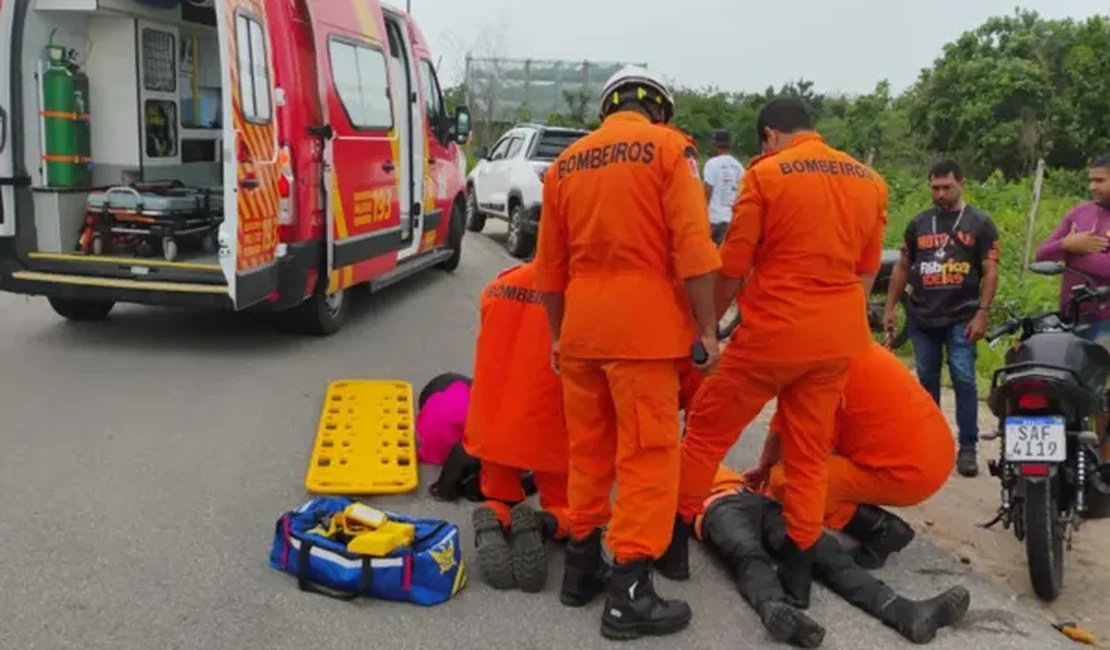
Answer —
481 153
462 124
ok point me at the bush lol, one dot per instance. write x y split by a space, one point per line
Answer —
1007 203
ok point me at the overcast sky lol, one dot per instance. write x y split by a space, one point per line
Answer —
844 45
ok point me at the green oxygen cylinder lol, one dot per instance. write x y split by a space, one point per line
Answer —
84 126
59 120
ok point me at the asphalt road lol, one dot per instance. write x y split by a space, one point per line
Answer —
145 460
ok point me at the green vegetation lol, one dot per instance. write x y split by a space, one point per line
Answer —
1016 89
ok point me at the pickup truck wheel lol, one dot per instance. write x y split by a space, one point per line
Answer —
475 219
519 243
323 314
81 310
455 231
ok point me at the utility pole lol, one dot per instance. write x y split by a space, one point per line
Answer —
408 6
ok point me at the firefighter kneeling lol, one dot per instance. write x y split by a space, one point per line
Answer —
892 447
515 423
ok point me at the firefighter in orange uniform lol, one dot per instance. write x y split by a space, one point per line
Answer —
892 447
808 227
623 223
515 423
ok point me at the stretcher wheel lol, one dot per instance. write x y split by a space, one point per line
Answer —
144 249
169 248
98 244
208 244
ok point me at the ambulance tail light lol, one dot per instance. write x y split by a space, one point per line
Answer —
285 183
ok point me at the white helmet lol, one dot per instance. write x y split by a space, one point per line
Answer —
635 83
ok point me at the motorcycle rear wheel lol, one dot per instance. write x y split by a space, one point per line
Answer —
1044 539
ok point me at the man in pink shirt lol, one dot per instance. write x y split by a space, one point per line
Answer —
1081 241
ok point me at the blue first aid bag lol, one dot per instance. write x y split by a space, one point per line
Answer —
427 572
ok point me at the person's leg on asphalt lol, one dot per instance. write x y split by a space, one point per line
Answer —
645 396
928 354
808 405
917 621
854 494
732 529
531 529
727 401
491 520
592 447
961 367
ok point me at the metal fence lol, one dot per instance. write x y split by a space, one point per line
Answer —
502 90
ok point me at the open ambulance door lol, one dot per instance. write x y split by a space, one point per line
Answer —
8 181
359 141
249 237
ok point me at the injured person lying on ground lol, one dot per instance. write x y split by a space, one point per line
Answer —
747 531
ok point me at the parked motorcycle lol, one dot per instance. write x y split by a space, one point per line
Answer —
876 306
1046 397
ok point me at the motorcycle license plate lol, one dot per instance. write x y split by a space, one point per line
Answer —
1040 439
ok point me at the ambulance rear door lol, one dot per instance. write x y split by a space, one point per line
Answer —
249 237
7 167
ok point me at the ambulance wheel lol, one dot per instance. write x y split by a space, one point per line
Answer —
169 249
475 220
98 244
519 243
455 231
81 310
322 314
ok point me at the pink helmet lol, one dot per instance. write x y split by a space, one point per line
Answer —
441 417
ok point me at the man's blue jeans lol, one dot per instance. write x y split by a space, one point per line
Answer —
929 346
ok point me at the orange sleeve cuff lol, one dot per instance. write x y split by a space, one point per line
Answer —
698 260
736 259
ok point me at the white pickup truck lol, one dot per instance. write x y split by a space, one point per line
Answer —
507 182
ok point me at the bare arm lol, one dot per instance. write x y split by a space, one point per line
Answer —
990 283
555 306
699 292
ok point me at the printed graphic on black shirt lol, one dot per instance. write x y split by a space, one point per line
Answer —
946 252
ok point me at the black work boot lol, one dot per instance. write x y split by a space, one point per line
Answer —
583 571
795 570
879 534
675 563
494 559
529 558
786 624
919 620
633 609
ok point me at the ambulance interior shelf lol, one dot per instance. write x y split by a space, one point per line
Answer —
109 189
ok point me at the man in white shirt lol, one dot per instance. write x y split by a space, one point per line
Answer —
721 179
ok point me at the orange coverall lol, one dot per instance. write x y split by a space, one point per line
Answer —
623 223
515 419
809 221
892 445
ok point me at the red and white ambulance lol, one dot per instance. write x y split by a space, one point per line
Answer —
242 154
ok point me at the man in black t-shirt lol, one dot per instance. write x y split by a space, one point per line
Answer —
950 259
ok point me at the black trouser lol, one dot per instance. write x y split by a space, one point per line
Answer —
718 231
747 531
